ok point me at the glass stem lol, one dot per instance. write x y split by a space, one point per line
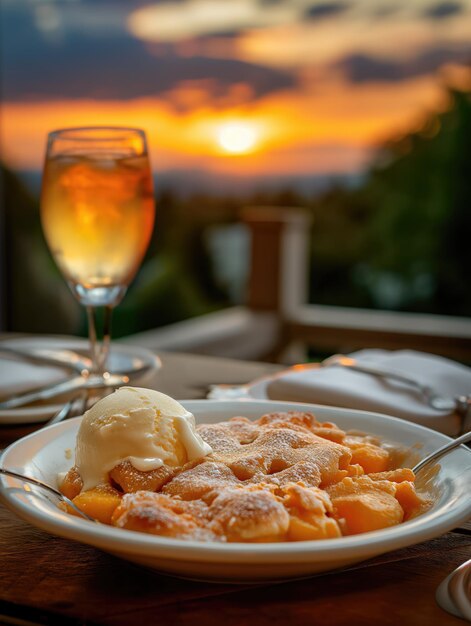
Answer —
99 350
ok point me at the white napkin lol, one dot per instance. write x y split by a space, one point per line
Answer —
343 387
17 376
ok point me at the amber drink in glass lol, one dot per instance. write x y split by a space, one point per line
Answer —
97 213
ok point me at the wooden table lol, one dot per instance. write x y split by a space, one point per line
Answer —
48 580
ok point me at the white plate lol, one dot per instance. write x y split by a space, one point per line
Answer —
19 376
42 454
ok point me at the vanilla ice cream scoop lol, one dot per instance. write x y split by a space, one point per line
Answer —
145 427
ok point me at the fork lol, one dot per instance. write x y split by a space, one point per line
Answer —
461 404
75 406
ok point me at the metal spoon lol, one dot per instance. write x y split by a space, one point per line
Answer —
46 487
434 456
76 383
71 359
58 357
460 404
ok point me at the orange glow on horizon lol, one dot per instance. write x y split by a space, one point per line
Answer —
328 130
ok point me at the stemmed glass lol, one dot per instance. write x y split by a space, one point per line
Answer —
97 214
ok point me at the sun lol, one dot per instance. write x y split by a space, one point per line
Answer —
237 137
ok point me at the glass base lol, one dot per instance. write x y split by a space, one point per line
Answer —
98 296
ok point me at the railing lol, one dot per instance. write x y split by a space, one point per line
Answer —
343 330
276 316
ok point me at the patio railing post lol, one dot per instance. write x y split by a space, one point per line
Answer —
278 278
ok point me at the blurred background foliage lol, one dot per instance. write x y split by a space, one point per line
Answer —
397 240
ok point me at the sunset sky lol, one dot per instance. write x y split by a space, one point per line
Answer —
242 88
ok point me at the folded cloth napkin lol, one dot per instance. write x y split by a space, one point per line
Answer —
343 387
17 376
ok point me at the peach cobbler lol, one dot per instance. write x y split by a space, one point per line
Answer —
283 477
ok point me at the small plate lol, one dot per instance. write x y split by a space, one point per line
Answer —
19 376
255 390
449 423
44 455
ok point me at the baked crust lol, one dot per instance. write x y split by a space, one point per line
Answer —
284 477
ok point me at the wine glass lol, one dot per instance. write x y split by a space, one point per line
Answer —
97 214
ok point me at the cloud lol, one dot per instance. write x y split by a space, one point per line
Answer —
267 3
386 10
166 22
325 9
443 10
38 68
361 68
